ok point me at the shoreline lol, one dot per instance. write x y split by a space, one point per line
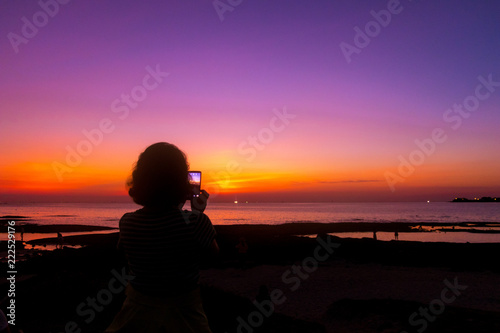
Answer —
90 235
296 227
362 286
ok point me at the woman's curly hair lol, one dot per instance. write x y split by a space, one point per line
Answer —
160 176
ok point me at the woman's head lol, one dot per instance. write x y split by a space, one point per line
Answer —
160 176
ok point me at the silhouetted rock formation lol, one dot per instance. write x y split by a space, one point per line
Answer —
483 199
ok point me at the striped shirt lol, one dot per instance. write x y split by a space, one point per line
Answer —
163 249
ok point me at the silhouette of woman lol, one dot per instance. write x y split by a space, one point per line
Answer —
163 245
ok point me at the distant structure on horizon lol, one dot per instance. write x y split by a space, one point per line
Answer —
483 199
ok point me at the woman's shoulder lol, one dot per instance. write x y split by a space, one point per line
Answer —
144 215
153 212
130 218
133 215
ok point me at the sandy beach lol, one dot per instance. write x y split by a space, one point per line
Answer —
315 284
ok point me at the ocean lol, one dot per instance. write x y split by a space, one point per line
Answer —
108 214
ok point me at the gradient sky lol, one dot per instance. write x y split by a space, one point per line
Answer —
227 79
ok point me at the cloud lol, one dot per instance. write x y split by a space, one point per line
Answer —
348 181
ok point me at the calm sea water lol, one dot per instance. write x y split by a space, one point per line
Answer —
108 214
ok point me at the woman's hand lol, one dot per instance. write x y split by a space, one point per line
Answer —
200 203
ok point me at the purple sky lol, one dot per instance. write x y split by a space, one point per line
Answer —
352 120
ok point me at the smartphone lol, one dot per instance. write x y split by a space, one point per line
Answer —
195 184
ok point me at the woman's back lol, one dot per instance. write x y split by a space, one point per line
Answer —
163 247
